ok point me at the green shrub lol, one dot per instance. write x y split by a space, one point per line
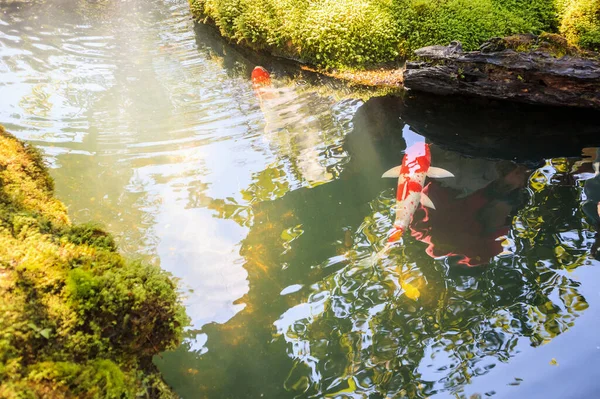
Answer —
361 33
76 319
581 23
537 15
430 22
337 33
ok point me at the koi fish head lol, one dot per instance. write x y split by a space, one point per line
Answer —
260 77
417 158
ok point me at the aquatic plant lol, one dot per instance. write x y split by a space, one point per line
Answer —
361 33
77 320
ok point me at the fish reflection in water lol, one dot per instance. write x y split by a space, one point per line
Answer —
296 134
410 193
473 211
471 219
464 217
438 328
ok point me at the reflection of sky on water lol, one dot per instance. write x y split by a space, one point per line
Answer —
145 130
199 249
269 212
209 251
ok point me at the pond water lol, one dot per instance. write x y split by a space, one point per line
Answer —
269 208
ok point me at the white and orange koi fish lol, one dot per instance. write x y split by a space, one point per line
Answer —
411 174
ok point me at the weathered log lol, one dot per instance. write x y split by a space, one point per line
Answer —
535 75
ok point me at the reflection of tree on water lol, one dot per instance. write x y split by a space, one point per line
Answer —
355 331
291 230
347 329
473 210
462 324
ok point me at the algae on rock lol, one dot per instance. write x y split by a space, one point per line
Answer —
77 320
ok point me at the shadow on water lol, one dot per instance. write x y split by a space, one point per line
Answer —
479 279
492 129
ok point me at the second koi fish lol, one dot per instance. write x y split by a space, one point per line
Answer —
411 175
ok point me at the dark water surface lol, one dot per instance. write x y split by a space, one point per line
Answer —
270 211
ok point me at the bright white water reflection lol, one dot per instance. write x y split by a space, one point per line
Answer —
145 127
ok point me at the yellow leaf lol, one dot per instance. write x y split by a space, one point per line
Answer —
553 362
410 290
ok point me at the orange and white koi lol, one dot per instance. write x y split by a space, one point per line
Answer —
411 174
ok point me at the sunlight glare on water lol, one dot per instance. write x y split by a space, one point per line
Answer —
269 208
147 131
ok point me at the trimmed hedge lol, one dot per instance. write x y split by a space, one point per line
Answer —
77 320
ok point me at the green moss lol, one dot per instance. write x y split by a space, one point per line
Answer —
357 34
361 33
581 23
97 378
556 45
431 22
77 320
549 43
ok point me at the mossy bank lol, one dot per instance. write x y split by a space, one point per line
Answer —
77 320
362 34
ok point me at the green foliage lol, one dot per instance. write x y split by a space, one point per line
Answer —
360 33
77 320
337 33
539 15
581 23
430 22
96 378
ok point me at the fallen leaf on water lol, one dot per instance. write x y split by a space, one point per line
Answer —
553 362
410 291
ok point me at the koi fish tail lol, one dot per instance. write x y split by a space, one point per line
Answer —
391 243
382 253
